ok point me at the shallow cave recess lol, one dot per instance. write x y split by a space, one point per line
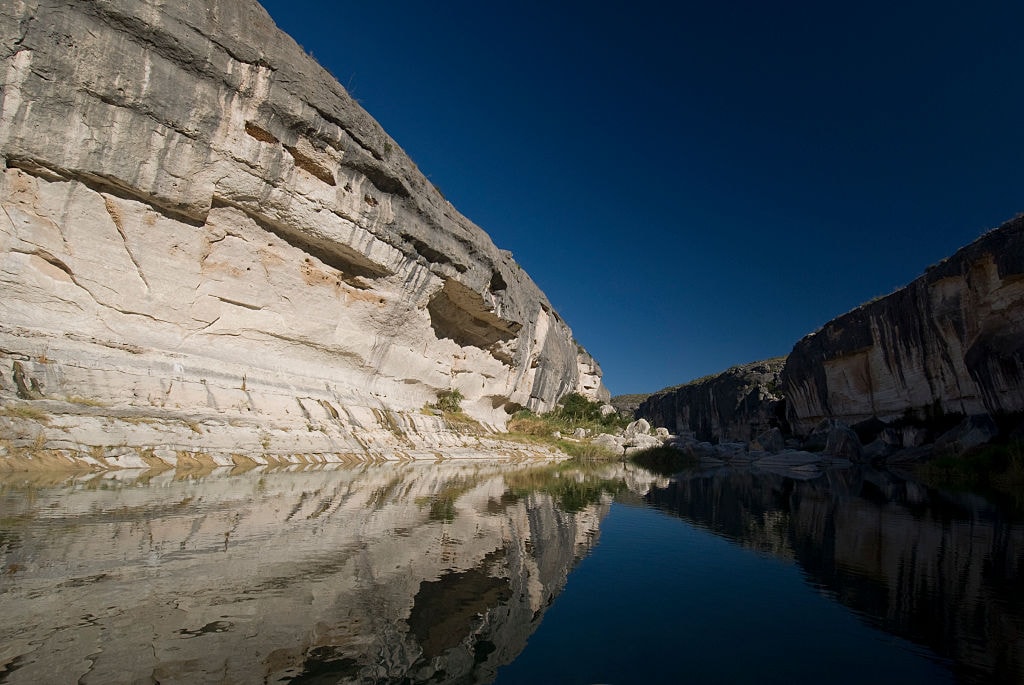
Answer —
461 314
352 266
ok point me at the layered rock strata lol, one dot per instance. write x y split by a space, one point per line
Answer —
204 234
951 342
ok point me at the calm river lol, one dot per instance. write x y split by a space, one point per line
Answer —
483 571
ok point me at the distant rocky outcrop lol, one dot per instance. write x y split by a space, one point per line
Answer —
735 405
628 404
951 342
937 365
203 234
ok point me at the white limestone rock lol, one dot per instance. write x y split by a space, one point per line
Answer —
638 427
201 227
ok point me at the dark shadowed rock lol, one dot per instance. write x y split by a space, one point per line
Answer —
769 441
842 441
735 405
971 432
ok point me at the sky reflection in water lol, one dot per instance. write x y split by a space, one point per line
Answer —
662 601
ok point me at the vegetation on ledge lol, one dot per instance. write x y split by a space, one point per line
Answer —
994 468
664 461
574 411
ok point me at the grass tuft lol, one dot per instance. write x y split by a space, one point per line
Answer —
25 411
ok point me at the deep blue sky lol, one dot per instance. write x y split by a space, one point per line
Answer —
697 185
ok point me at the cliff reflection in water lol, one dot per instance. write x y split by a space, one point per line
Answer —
941 570
395 573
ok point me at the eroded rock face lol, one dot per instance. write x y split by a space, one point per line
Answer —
735 405
952 341
197 217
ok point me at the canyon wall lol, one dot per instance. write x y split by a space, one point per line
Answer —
203 234
950 342
948 345
735 405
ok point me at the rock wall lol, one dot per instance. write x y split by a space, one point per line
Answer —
950 342
202 228
735 405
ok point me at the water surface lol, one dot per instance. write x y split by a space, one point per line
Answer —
479 572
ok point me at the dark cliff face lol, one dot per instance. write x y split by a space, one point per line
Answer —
953 341
735 405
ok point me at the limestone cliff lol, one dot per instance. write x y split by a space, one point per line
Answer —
201 227
952 341
735 405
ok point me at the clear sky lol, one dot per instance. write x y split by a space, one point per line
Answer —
697 184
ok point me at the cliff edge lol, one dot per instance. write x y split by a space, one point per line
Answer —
950 342
202 229
934 367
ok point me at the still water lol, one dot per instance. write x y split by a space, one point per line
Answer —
485 571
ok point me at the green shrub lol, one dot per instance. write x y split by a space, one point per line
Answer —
993 468
450 400
664 461
576 407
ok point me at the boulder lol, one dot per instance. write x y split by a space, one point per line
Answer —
789 459
638 427
877 449
973 431
842 441
607 410
913 436
731 450
641 441
610 442
818 437
661 433
891 437
769 441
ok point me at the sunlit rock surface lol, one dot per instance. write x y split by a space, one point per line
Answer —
393 573
952 341
202 230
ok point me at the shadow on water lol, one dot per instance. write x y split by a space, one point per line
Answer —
941 569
